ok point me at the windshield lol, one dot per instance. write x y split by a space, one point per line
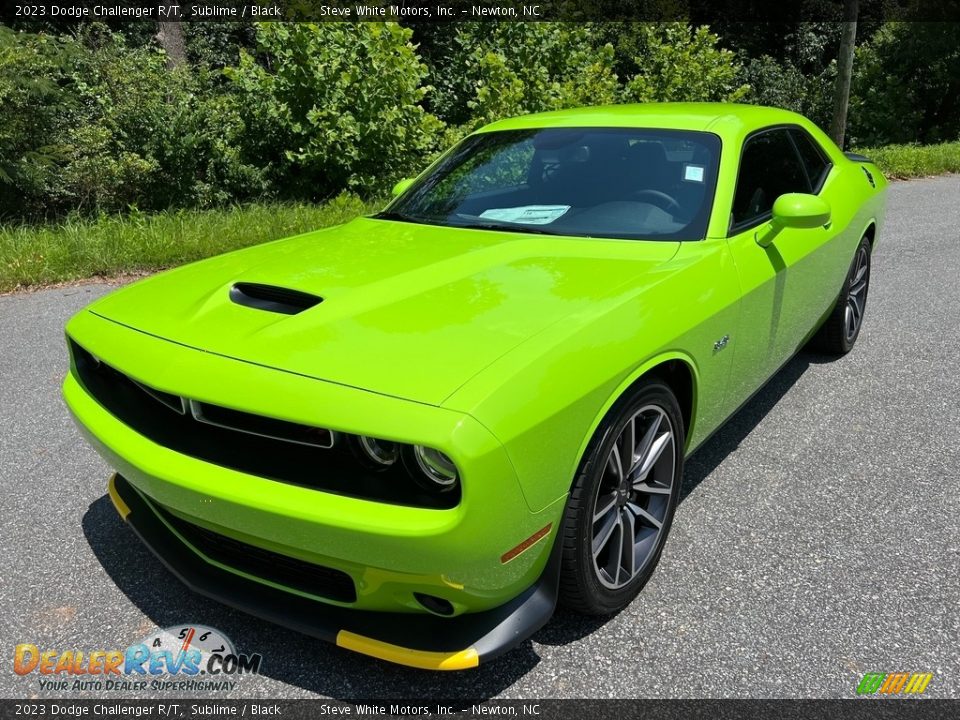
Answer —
592 182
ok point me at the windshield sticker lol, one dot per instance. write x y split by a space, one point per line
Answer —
693 173
527 214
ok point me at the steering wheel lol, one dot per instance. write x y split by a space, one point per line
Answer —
668 201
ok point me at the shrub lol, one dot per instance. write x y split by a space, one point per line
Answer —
677 62
506 69
334 105
783 85
172 129
32 68
92 124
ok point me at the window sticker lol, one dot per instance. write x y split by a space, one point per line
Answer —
693 173
527 214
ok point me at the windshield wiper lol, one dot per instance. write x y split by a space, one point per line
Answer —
474 225
394 215
475 222
507 227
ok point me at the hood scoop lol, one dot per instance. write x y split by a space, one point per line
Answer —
272 298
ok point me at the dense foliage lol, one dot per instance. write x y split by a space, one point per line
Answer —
796 71
329 106
907 85
80 131
98 120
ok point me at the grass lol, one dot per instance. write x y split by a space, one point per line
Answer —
110 245
910 161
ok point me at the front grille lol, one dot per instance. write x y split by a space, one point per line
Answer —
260 425
296 574
253 444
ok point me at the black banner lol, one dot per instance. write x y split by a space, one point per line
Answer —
859 709
697 11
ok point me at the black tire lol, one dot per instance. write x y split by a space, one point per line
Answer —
584 586
835 336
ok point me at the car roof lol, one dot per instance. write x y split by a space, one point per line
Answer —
722 118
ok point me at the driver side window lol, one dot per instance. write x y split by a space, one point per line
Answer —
769 167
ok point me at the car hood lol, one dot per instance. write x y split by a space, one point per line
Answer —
411 311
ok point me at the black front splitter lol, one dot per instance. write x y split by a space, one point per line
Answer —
414 639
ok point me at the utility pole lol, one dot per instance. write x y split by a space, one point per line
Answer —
841 98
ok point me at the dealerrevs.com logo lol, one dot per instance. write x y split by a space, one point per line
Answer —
182 658
895 683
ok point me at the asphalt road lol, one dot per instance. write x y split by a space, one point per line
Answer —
819 537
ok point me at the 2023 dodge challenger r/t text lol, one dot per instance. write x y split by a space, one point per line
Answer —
414 433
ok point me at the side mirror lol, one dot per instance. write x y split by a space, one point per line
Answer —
401 186
794 210
799 210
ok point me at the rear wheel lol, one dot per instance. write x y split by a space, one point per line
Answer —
841 330
622 502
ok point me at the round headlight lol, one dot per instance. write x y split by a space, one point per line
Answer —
381 453
436 467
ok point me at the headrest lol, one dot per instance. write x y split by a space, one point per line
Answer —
648 153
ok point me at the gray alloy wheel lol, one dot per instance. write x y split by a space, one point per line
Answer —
857 294
633 497
622 500
842 326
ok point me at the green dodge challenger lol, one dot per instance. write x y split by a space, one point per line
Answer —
415 433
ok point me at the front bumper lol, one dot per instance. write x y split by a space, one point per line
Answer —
393 554
390 551
416 640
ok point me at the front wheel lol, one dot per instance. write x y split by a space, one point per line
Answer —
622 502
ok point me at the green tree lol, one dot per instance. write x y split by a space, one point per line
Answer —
79 130
673 61
218 44
505 69
153 138
333 105
32 75
784 85
791 66
906 85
